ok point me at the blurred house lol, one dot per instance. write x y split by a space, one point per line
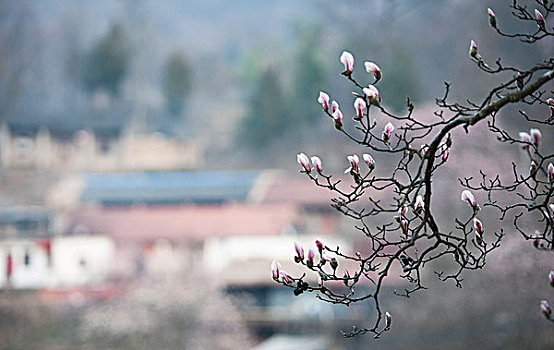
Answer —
100 142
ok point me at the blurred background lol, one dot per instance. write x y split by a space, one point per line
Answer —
148 172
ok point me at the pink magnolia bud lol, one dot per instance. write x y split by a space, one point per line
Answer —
373 94
536 136
334 106
360 107
323 99
533 168
551 278
303 160
310 259
404 225
424 149
275 267
540 19
545 309
468 197
492 18
551 172
388 320
525 137
337 117
286 277
319 245
479 230
536 240
348 60
419 204
387 132
374 69
445 152
473 51
318 166
346 277
550 103
402 211
369 161
354 164
325 256
299 251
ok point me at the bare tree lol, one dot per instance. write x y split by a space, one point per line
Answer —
401 222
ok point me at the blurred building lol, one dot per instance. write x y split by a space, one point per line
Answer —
99 142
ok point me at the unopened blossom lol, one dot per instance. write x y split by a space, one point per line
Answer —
536 136
373 94
540 19
419 204
374 69
525 137
354 164
387 132
275 267
404 225
492 18
424 149
388 319
473 51
310 258
369 161
323 99
348 60
551 278
479 230
337 117
334 106
299 251
325 256
468 197
445 152
536 240
551 207
319 245
550 172
403 211
346 277
550 103
303 160
545 309
478 225
318 165
286 277
360 107
533 168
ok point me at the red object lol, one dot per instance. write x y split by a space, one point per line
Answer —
45 244
9 265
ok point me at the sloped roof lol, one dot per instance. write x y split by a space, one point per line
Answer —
167 187
186 222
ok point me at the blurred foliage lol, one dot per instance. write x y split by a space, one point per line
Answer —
267 118
176 83
309 73
107 63
399 79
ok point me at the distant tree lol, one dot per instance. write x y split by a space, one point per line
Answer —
18 47
402 79
107 63
309 73
177 83
267 118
